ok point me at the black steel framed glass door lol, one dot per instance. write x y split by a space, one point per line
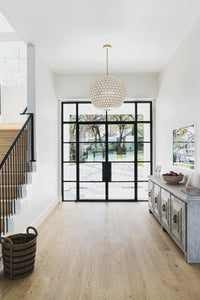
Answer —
106 156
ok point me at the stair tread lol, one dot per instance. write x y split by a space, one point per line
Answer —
11 126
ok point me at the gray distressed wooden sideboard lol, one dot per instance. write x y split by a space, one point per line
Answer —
178 214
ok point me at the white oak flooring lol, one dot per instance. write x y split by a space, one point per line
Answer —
99 251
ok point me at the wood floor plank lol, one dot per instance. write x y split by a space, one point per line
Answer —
105 251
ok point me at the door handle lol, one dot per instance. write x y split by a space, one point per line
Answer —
106 174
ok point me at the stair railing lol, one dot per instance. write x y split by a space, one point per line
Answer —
13 168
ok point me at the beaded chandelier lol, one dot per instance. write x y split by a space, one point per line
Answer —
107 91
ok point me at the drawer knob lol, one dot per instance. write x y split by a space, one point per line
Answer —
164 207
175 219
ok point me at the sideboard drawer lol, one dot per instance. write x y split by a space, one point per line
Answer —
156 201
177 221
150 195
165 209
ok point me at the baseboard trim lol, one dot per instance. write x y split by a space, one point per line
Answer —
44 214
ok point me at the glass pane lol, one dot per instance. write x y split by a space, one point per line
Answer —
143 151
13 58
91 152
69 132
92 191
90 172
121 151
144 170
92 133
124 113
143 111
70 191
87 112
69 152
122 171
142 190
124 191
69 171
121 133
143 132
69 112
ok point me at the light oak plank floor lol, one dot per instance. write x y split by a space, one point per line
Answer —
99 251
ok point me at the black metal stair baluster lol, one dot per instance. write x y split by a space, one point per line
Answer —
1 201
6 196
0 197
20 160
10 183
25 147
32 138
10 174
14 175
28 141
24 155
8 187
15 166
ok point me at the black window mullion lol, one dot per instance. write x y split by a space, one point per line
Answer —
77 156
106 157
135 154
62 158
151 138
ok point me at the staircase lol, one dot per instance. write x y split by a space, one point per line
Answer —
16 157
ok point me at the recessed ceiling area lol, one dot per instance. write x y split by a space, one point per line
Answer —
7 32
70 34
5 25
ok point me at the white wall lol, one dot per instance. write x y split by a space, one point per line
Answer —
13 102
42 194
178 102
76 86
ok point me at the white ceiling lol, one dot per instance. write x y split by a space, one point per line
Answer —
5 25
70 34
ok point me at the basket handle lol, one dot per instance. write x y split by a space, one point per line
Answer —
4 239
30 227
7 239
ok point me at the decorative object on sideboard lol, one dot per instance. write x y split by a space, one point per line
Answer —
184 147
172 177
191 190
157 171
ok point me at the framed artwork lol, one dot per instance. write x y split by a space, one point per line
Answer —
184 147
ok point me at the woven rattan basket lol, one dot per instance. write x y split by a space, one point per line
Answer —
19 254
